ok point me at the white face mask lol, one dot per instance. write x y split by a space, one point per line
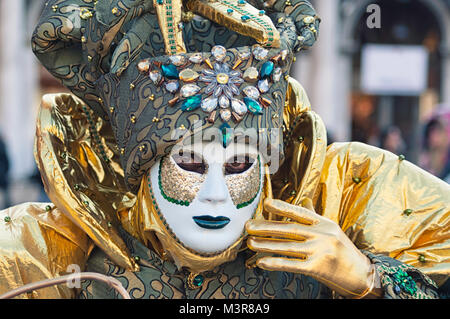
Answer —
207 197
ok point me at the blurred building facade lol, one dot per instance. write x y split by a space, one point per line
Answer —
330 72
18 84
22 83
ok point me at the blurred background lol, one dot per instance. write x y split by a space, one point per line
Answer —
379 74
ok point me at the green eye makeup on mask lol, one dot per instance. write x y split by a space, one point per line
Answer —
180 186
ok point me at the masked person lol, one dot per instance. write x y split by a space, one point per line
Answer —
188 164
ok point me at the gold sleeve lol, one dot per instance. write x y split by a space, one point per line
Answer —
38 242
387 205
78 158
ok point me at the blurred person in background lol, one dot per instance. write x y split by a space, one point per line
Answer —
364 128
4 169
435 157
391 139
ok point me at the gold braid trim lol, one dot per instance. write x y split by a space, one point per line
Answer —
169 18
258 26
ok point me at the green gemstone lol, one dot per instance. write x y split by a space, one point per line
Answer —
422 258
170 71
48 208
198 281
192 103
7 219
408 212
225 128
267 69
137 258
253 106
402 157
357 180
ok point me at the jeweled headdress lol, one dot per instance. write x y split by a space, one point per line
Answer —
157 80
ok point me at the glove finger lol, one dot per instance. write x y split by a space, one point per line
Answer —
296 213
292 265
299 249
279 230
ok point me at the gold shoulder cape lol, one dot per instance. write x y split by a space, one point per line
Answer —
385 204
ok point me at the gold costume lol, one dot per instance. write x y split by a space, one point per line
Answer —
385 204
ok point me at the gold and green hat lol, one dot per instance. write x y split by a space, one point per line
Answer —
158 101
160 73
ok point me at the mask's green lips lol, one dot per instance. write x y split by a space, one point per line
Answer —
209 222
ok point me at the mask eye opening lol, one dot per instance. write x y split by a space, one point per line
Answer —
238 164
190 161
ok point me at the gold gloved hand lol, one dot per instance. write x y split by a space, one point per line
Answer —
311 245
